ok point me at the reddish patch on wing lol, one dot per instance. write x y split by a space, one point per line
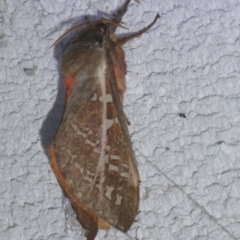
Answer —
69 82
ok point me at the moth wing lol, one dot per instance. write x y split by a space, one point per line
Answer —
93 153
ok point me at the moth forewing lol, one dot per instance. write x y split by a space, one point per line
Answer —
93 148
91 153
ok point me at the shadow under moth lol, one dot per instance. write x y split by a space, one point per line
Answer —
91 153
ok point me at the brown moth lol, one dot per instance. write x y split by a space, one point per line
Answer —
91 153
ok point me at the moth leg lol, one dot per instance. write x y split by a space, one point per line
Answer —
118 17
88 222
138 34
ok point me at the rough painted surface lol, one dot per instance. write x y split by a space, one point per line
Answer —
183 101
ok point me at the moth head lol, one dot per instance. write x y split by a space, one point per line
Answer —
101 27
110 21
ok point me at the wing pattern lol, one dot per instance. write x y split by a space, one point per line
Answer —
93 154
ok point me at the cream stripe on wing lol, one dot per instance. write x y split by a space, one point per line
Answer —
104 99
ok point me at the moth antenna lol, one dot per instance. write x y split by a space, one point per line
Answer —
119 15
68 31
112 22
138 34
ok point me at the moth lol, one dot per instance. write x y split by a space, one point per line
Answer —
91 153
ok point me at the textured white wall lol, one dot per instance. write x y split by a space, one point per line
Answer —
189 167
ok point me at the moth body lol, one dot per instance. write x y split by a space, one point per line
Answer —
91 153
